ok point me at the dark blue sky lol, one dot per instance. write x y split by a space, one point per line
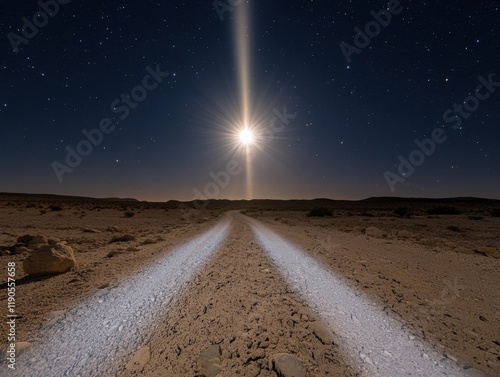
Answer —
353 119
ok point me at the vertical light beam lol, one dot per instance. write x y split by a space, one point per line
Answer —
242 48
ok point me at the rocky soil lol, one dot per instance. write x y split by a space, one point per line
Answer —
438 275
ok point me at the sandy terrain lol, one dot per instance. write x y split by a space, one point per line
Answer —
437 275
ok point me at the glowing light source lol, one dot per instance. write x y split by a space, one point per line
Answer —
246 137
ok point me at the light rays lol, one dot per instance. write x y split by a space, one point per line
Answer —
242 47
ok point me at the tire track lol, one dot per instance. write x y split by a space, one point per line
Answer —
379 344
97 337
241 304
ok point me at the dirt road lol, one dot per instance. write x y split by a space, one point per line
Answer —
244 299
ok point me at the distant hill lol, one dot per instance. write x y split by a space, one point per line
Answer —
389 199
272 204
49 197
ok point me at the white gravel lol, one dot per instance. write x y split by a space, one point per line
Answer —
378 344
98 337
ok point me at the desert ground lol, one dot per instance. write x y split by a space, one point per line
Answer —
386 286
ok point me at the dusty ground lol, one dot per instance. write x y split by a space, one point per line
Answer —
448 297
441 279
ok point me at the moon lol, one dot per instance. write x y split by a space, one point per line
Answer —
246 137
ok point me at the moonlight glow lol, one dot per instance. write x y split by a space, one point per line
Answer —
246 137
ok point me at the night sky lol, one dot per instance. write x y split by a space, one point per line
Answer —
323 126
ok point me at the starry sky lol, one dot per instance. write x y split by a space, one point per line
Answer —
327 123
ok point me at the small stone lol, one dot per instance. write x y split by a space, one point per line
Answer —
322 332
286 365
19 249
264 344
405 234
209 361
489 252
89 230
452 358
375 232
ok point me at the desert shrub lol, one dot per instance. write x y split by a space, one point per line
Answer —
54 207
402 212
454 228
129 214
495 213
443 210
320 212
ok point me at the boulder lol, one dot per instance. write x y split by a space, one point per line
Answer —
50 260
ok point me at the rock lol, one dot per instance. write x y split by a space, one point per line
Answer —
375 232
137 363
209 361
17 250
112 229
49 260
32 241
90 230
286 365
53 241
405 234
322 332
489 252
112 253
